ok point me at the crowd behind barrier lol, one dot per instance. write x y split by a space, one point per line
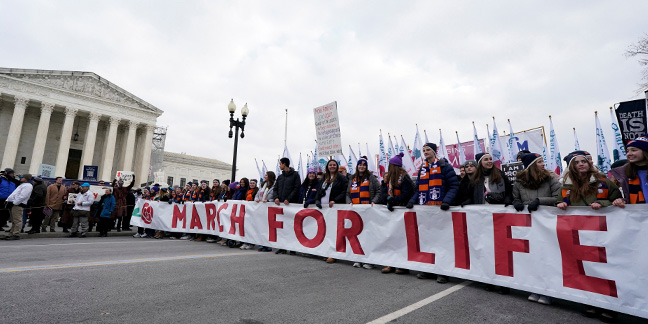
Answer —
436 184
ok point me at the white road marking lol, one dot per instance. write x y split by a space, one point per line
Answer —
89 243
406 310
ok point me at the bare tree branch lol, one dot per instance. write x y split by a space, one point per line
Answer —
640 50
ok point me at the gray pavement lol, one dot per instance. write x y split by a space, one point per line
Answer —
128 280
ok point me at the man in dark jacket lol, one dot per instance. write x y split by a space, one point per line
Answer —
36 204
287 187
436 184
8 183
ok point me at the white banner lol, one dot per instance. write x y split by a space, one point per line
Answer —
591 257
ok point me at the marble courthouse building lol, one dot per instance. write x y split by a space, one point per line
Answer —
69 119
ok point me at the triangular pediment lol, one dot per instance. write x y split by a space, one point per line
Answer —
85 83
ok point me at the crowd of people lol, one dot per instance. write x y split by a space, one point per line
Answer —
436 184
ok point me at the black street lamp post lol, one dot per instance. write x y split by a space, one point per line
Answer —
237 124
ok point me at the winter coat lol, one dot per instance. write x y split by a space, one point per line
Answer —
465 192
374 190
270 196
613 192
502 188
21 195
548 193
407 191
287 186
338 190
120 193
130 202
619 174
308 194
240 193
55 196
108 206
7 186
449 182
37 197
67 208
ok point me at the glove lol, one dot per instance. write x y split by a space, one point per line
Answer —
445 206
507 201
305 205
170 202
390 205
409 205
494 198
518 205
224 199
533 206
318 204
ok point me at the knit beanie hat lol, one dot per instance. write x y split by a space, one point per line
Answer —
397 160
640 142
570 157
480 156
431 145
530 158
363 159
470 162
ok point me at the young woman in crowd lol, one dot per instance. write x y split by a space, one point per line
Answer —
332 190
396 190
241 191
583 185
266 192
215 190
490 186
252 191
632 176
535 186
363 188
465 191
308 189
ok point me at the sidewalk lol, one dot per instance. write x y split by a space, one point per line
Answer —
59 233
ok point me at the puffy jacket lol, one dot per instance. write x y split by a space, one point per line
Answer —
7 186
449 182
374 190
37 197
613 192
548 193
308 194
108 206
287 186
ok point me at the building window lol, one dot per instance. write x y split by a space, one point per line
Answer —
170 181
183 182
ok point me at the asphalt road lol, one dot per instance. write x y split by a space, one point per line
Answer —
128 280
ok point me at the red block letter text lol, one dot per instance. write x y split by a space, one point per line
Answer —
413 243
350 233
462 254
237 219
273 223
321 228
505 244
179 215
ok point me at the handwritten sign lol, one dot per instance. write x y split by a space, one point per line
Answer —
71 198
127 176
46 170
327 127
511 170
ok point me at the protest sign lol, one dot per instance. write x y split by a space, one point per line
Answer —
90 172
127 176
511 170
46 170
327 127
632 119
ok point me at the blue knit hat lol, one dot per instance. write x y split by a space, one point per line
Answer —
431 145
480 156
397 160
363 159
530 158
571 156
640 142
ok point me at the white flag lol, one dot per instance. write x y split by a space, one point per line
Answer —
545 155
554 151
441 149
261 173
618 151
576 144
478 148
352 162
286 154
316 161
300 167
265 168
603 155
426 139
462 155
408 164
383 161
416 150
490 140
512 144
371 160
498 148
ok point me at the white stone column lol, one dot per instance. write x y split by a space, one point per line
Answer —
129 154
64 144
142 176
109 154
41 137
13 138
89 143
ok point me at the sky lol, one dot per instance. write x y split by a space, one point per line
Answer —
389 65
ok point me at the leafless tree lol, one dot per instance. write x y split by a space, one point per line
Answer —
640 49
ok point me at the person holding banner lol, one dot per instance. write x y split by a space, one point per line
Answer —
215 190
332 189
286 188
491 186
241 191
436 185
396 190
266 192
583 185
535 186
632 176
308 190
364 187
464 194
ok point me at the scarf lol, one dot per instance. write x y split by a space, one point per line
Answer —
360 193
636 192
395 191
430 184
601 192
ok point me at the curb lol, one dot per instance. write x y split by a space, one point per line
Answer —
60 234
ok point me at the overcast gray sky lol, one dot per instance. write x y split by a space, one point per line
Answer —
388 64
